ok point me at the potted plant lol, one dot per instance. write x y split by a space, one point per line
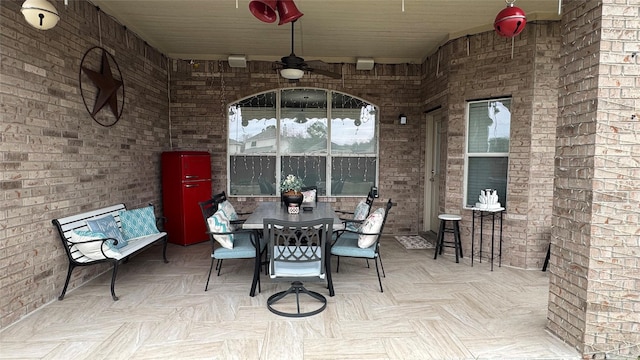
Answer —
290 190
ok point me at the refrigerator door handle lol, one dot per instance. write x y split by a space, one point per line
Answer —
191 176
191 185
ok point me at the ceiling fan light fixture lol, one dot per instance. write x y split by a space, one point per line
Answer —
291 74
40 14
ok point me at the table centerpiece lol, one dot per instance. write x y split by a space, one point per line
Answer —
290 190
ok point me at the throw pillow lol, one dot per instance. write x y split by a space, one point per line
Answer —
107 225
92 249
309 196
219 223
138 222
371 225
360 213
229 210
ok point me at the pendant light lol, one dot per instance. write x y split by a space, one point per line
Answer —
40 14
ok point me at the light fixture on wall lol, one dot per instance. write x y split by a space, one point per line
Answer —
291 73
40 14
237 61
364 64
403 119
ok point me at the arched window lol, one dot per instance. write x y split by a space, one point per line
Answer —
327 138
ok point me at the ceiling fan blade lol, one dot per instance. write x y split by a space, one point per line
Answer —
325 73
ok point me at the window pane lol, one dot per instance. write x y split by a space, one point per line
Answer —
252 125
311 169
352 175
252 175
487 173
353 125
489 126
303 121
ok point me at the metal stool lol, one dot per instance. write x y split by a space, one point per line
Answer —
454 229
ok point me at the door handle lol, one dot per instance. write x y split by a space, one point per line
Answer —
192 185
191 176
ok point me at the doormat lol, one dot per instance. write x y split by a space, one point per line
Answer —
414 242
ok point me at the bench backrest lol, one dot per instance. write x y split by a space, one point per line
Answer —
67 224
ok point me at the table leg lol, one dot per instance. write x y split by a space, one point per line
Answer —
473 232
481 234
493 227
500 246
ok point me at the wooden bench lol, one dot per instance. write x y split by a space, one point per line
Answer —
68 224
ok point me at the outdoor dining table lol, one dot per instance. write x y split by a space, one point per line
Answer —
277 210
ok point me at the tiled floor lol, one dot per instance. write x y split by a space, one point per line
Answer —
430 309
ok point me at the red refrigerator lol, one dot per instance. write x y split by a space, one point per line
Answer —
186 180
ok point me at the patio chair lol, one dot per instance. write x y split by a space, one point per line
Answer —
228 242
222 201
298 251
362 210
363 242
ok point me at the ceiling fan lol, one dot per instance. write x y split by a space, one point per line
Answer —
293 67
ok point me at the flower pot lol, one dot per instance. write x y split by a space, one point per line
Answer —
292 198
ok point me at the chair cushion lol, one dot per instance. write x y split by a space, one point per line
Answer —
229 210
309 196
347 245
242 248
371 225
360 213
108 226
138 222
219 223
92 249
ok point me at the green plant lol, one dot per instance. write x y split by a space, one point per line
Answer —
291 183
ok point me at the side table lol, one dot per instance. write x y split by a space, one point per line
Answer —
481 214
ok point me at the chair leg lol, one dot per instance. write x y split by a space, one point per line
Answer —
219 266
209 276
456 230
439 240
377 271
338 264
381 265
66 283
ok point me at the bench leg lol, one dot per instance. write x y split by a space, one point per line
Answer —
164 249
113 281
66 283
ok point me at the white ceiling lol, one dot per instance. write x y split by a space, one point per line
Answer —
335 31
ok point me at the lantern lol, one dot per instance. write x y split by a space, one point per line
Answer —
510 21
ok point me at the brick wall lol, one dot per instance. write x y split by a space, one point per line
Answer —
55 160
594 299
478 67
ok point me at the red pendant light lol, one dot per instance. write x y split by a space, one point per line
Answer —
264 10
510 21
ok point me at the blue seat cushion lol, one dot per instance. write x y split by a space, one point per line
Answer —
347 245
242 248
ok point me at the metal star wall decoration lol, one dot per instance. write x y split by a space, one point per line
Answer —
108 87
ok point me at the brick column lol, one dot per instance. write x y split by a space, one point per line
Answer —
594 301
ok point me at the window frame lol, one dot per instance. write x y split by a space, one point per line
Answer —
278 155
498 155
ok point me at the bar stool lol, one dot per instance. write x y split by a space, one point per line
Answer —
453 228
